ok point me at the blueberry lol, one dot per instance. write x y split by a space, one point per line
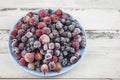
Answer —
59 25
64 62
62 48
51 36
68 22
33 29
73 59
21 32
57 45
29 34
52 65
72 50
71 27
57 52
65 28
24 39
51 45
67 48
21 46
65 53
48 56
45 47
57 39
37 44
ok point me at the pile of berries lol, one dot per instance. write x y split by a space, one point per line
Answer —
47 40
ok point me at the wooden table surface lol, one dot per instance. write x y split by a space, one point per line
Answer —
100 18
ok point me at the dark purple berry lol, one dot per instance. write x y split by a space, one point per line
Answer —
21 32
21 46
24 39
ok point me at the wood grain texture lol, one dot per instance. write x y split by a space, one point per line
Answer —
112 4
90 19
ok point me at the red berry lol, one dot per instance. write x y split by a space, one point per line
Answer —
58 12
42 13
19 25
18 56
58 67
47 20
22 62
54 17
38 32
41 25
54 58
38 56
14 32
29 57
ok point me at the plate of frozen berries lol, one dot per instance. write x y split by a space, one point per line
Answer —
47 42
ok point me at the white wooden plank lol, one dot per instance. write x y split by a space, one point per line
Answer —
58 3
91 66
90 19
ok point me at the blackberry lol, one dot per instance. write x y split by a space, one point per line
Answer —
64 62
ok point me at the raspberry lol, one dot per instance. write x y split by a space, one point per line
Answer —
14 32
47 20
58 12
33 21
41 25
22 62
42 13
38 32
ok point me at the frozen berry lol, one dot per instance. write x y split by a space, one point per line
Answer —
42 13
71 27
21 46
46 30
23 53
41 25
67 48
38 32
45 47
47 20
54 58
65 28
31 66
62 39
65 53
24 39
59 25
26 19
51 36
64 62
37 44
57 45
19 25
77 54
54 17
30 14
58 67
68 22
75 45
33 29
63 20
50 51
77 30
14 42
46 61
14 32
65 16
83 42
44 68
33 21
51 45
44 39
22 62
58 12
73 59
38 56
42 52
72 50
29 34
61 31
77 38
52 65
48 56
57 52
29 57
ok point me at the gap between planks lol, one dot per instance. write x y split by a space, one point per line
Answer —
91 19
